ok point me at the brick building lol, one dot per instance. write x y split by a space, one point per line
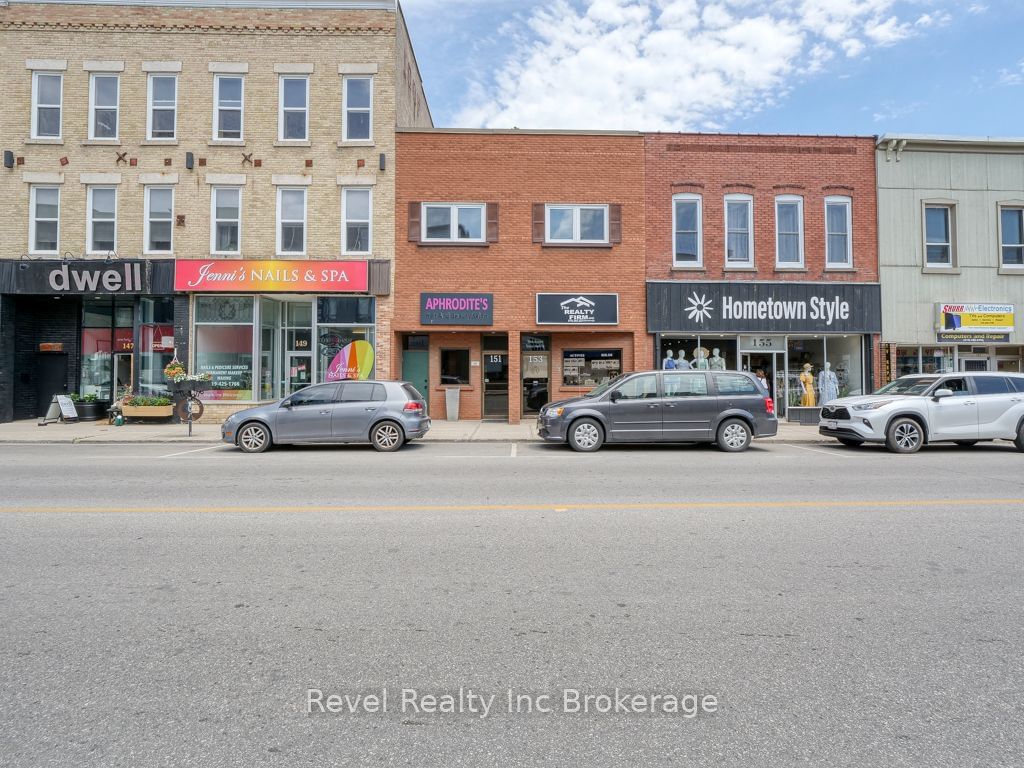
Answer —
519 266
213 180
762 254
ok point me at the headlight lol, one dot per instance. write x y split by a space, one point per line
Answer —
874 405
553 411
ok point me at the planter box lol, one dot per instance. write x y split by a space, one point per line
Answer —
147 411
92 411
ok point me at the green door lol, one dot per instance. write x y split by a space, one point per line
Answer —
416 370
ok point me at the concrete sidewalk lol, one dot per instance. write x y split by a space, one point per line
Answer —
440 431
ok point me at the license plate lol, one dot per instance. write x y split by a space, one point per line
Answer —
831 424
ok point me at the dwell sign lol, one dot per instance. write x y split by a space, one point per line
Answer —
87 277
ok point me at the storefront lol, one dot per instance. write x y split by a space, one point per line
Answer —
812 341
95 329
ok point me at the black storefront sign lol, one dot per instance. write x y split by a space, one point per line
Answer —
748 307
456 309
82 277
577 309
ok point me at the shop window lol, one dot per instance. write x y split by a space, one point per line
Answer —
444 222
291 222
228 95
226 212
356 205
576 224
535 343
102 203
47 100
1011 236
455 366
739 240
346 353
639 388
938 236
686 228
838 240
224 345
343 310
103 106
357 96
590 367
162 122
156 343
801 352
44 234
293 118
845 355
159 219
789 231
415 341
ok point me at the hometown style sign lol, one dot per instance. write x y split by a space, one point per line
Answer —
749 307
456 309
577 309
276 276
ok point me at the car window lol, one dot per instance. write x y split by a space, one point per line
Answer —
640 388
958 386
992 385
1018 382
314 395
685 384
909 385
411 392
359 391
735 384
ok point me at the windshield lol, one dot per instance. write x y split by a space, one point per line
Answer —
600 389
909 385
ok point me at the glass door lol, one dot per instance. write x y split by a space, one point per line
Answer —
495 385
299 366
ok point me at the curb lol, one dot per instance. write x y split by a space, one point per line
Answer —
208 441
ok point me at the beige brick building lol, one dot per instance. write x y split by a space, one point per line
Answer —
153 138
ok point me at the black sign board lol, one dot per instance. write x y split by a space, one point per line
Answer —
457 309
748 307
79 276
577 309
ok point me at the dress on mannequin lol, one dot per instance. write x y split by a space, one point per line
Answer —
668 363
807 399
717 362
700 362
828 384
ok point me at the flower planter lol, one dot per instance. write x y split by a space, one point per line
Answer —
93 410
147 411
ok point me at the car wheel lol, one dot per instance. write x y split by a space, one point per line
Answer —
586 435
850 443
387 437
254 438
1019 442
734 436
967 443
904 436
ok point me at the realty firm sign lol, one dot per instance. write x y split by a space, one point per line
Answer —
577 309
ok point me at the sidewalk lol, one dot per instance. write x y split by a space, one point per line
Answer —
440 432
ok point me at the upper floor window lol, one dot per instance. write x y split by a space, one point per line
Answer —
462 222
938 235
1011 237
357 97
789 231
47 97
686 229
104 92
226 214
291 221
159 220
227 95
739 230
162 122
838 237
293 121
576 223
356 204
44 222
102 229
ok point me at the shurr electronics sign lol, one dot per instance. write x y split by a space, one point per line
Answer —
763 307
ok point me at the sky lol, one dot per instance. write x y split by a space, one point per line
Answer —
864 67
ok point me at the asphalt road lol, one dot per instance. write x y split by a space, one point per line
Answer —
168 606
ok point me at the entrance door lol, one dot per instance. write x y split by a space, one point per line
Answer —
774 372
51 379
300 371
416 370
495 385
536 378
123 373
973 363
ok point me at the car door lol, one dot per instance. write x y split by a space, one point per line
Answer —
357 405
688 407
956 417
634 410
306 415
739 392
998 407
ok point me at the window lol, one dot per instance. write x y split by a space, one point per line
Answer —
324 394
958 387
159 216
1011 229
735 384
227 96
224 345
102 202
686 228
838 245
45 220
291 221
938 241
452 222
292 121
47 96
163 107
590 367
992 385
639 388
362 392
357 117
455 366
226 214
577 223
789 231
686 385
739 233
1018 383
103 106
356 205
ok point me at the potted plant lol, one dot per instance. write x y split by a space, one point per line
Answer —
89 407
143 407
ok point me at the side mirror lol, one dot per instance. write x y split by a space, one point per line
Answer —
615 396
286 404
938 394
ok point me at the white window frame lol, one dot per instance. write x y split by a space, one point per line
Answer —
150 106
689 197
32 219
950 209
116 107
305 221
576 208
1007 206
747 200
217 107
89 221
345 109
214 220
846 202
36 106
146 221
345 220
281 109
453 223
789 200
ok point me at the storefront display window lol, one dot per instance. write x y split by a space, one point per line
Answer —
803 392
156 343
844 355
590 367
345 353
108 344
224 345
915 360
455 366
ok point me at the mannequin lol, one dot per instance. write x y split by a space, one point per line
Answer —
668 364
717 363
807 399
682 363
828 384
700 360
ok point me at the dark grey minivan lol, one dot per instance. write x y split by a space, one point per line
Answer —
728 408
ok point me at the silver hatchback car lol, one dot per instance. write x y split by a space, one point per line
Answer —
386 414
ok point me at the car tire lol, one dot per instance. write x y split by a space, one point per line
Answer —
387 437
904 435
1019 442
734 435
585 435
966 443
254 438
850 443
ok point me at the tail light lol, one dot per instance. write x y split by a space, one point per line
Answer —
769 405
413 407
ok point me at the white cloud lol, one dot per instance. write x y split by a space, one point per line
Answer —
1012 76
677 64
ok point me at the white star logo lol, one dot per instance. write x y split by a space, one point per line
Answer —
699 307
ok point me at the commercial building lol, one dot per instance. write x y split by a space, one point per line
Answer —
761 254
951 253
208 180
519 266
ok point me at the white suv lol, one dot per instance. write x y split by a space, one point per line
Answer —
963 408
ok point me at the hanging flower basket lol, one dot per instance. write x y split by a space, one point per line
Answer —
189 384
